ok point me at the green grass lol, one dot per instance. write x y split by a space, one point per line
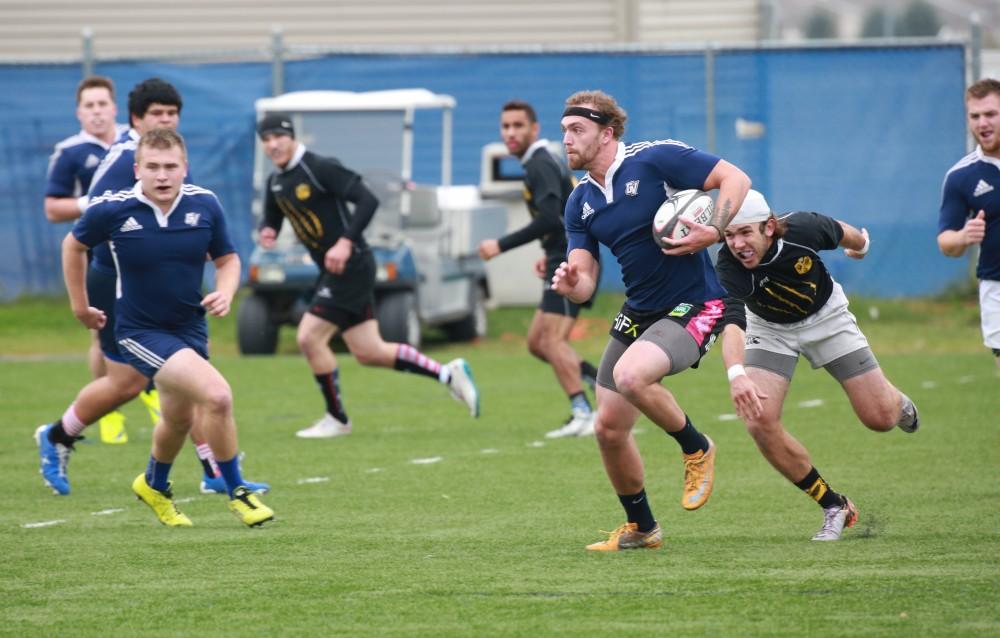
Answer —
488 541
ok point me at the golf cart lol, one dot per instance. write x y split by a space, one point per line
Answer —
424 237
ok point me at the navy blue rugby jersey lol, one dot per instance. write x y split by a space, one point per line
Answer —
72 164
115 173
621 217
971 185
160 258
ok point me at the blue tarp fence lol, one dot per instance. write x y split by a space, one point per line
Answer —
864 134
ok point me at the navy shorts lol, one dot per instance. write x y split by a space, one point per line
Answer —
147 350
101 291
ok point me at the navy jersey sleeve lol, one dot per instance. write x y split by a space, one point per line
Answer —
115 173
221 243
682 166
954 209
576 233
544 182
62 179
814 230
94 226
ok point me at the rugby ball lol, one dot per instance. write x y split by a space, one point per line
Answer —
692 205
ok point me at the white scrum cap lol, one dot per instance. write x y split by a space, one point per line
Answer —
754 209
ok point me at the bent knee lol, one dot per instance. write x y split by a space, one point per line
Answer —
629 383
881 418
219 399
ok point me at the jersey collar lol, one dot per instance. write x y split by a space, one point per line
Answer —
161 217
609 177
531 150
90 139
982 157
300 150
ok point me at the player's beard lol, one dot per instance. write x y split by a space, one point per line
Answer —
991 147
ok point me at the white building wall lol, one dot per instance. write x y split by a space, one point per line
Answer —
51 29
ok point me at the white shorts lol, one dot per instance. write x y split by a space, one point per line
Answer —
824 337
989 312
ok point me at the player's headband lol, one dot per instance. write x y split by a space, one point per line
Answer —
590 114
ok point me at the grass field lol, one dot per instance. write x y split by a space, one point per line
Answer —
425 522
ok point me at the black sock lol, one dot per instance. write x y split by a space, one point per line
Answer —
587 371
58 435
329 385
637 510
819 490
690 439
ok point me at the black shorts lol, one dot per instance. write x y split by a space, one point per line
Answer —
700 321
101 289
347 299
552 301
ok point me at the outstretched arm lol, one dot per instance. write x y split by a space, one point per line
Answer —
576 278
855 242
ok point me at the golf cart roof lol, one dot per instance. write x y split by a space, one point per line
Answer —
394 100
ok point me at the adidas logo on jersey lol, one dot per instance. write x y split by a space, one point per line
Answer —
324 292
982 188
587 211
130 225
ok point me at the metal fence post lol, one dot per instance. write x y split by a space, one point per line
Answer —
87 50
277 61
975 46
710 97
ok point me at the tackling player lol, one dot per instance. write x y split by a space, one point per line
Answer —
794 307
673 307
547 185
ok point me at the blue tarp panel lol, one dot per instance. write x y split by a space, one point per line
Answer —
863 134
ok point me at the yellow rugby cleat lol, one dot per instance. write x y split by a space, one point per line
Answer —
162 503
112 427
699 477
628 536
151 400
248 508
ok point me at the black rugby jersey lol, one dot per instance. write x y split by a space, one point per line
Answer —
312 193
547 185
791 282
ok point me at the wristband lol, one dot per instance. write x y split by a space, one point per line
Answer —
81 203
734 371
864 249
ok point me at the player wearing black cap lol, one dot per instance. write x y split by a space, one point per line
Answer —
313 193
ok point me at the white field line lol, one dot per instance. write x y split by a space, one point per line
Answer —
57 521
107 512
427 461
312 479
